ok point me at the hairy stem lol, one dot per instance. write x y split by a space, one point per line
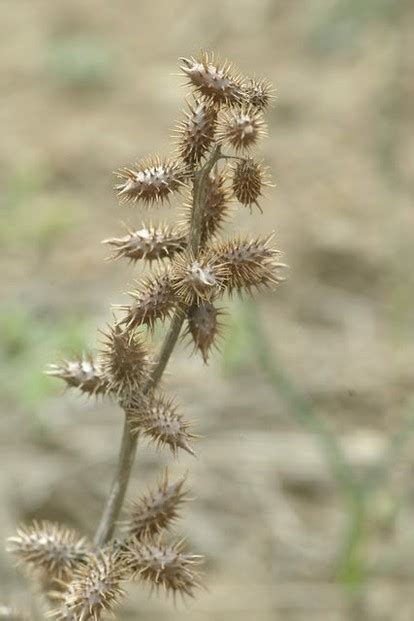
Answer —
129 443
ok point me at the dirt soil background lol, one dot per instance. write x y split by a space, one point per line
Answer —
88 87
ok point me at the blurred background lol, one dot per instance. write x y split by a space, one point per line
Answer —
303 486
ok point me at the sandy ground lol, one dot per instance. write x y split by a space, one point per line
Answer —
88 87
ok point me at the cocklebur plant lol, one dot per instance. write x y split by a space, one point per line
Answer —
191 268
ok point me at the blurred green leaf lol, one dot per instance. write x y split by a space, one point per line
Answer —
33 213
341 27
79 61
28 341
238 350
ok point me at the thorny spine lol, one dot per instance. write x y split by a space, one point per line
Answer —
198 269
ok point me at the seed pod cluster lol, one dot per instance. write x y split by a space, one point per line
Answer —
95 588
258 93
217 202
203 326
251 263
158 419
85 374
155 511
153 299
49 548
249 178
196 268
196 132
148 244
216 82
198 278
125 361
242 128
163 566
152 181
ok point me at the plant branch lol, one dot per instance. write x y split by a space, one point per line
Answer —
119 486
129 443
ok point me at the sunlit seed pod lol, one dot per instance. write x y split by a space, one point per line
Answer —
157 419
84 374
195 134
216 205
95 589
125 361
147 244
251 263
216 209
215 81
242 128
198 278
164 566
151 181
259 93
50 548
249 178
203 327
155 511
153 299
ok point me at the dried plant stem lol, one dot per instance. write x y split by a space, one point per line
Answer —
129 443
118 489
199 198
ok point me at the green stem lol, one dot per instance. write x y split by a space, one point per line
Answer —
350 562
352 568
300 407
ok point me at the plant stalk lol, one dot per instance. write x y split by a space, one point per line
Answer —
128 447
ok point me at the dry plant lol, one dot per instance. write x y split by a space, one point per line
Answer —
195 269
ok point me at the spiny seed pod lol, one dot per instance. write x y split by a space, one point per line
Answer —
216 206
151 181
125 361
193 279
164 566
216 83
153 299
248 180
94 590
84 374
157 418
242 128
149 244
203 326
196 132
250 263
157 510
259 93
48 547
